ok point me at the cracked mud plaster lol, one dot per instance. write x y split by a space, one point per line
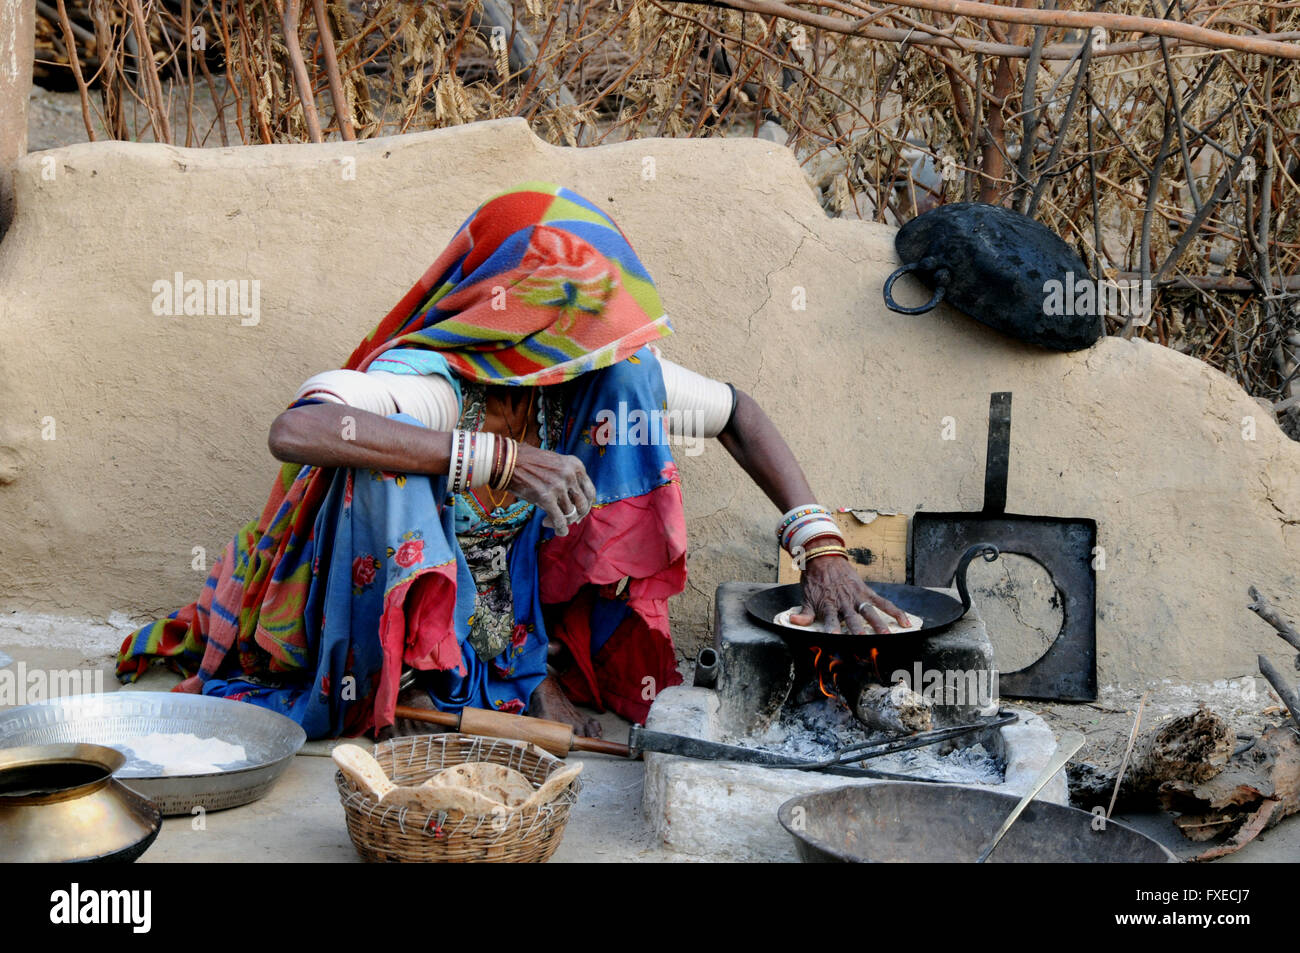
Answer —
1020 606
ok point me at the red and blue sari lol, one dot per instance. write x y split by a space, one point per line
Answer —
349 574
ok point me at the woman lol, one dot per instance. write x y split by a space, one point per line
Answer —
464 514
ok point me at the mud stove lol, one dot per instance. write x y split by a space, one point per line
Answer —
767 693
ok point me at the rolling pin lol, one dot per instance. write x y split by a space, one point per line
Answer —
554 737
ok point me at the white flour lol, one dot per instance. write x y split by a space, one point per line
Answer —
181 753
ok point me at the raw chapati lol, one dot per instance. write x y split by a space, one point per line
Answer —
783 618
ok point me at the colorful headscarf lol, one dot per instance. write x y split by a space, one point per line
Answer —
537 286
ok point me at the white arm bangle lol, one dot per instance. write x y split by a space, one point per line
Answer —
348 387
429 398
698 406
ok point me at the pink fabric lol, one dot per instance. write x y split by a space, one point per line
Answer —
423 639
643 539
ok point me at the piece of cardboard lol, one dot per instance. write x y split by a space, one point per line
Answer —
877 544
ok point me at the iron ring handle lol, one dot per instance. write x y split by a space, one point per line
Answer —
925 264
989 552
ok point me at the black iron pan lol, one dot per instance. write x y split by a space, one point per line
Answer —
937 610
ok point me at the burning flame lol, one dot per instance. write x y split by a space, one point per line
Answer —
826 665
827 673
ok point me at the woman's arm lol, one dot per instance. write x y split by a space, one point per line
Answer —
833 591
335 435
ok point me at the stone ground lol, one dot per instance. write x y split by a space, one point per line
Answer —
301 818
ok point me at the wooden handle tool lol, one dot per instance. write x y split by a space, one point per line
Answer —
554 737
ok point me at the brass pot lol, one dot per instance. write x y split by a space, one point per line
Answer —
61 803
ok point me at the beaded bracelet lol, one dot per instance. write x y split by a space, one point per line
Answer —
802 515
801 531
481 459
801 510
471 460
806 522
471 457
459 452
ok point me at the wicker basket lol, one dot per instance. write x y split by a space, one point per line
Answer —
387 834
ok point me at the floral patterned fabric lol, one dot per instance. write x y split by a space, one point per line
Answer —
348 575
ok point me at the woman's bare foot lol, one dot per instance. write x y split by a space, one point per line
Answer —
550 702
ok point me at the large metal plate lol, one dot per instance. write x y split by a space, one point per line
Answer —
903 821
1067 671
270 741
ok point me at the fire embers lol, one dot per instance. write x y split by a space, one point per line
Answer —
894 694
857 683
836 676
824 665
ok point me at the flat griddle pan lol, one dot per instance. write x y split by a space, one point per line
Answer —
1067 671
938 610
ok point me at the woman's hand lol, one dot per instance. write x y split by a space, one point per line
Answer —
833 591
556 482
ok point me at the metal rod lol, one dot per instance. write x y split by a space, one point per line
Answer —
851 754
1070 743
934 737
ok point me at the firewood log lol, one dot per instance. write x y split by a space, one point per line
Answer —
894 708
1257 789
1191 748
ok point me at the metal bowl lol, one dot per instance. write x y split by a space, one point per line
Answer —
906 821
270 741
